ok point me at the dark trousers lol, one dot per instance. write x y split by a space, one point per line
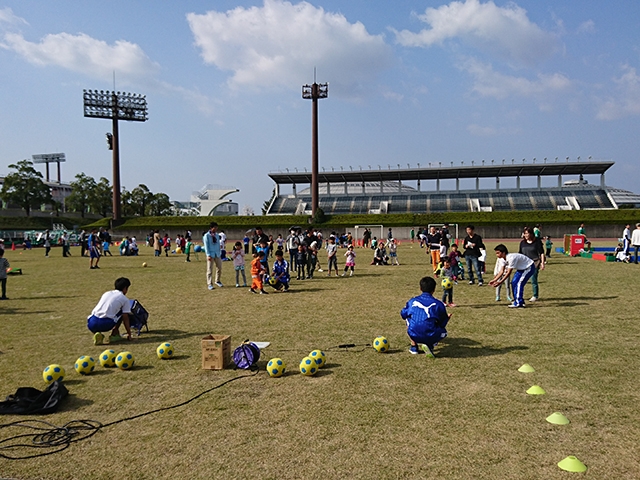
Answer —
246 249
3 281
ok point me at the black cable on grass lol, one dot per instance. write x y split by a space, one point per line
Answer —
56 439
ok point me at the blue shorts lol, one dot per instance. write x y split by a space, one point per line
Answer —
432 338
93 252
96 324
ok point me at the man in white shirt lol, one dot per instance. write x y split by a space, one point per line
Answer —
112 310
635 241
524 268
626 239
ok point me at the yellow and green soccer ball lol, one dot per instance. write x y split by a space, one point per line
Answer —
165 350
308 366
381 344
276 367
125 360
52 373
319 357
107 358
446 283
85 365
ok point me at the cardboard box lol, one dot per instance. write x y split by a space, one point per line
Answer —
216 352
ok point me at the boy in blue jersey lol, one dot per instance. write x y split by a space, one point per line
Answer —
280 273
426 318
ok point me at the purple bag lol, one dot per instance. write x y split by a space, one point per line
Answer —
246 355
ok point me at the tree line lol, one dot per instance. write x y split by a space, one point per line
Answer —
25 188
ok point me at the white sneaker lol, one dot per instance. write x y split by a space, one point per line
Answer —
219 284
533 299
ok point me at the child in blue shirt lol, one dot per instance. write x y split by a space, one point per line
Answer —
263 247
280 273
426 319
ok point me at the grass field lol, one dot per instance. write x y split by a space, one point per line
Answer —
464 415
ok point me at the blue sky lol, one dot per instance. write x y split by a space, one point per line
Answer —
410 82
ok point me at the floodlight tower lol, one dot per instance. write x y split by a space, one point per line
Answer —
314 92
116 106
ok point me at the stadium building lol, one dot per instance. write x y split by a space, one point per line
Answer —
559 185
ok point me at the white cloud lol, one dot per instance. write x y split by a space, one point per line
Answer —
489 83
84 54
503 31
587 27
627 101
98 60
279 44
8 17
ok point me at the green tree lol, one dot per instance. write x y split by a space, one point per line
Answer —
101 200
82 190
160 205
140 198
25 187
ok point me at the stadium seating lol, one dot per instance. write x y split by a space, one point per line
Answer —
434 202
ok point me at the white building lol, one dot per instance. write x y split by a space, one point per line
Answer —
210 201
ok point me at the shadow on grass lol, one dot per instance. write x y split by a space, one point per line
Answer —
291 290
329 366
559 299
73 401
158 336
466 348
15 311
39 297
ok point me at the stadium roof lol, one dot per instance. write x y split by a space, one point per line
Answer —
434 173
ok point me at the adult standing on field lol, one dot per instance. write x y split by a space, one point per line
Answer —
433 241
472 245
626 239
258 237
211 241
635 241
157 247
446 236
532 248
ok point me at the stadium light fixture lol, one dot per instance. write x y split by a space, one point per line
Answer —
115 106
314 92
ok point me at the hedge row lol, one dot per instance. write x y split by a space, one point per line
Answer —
37 223
547 217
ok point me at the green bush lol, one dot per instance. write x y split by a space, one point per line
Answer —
36 223
546 217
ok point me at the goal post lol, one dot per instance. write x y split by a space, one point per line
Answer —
375 230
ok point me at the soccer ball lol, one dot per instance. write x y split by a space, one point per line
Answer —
52 373
108 358
308 366
319 357
125 360
272 281
447 284
144 264
164 350
197 249
381 344
85 365
178 250
276 367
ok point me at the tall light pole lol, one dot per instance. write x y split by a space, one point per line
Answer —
116 106
314 92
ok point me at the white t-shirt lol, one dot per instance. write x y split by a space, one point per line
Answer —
111 304
332 248
517 261
500 264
